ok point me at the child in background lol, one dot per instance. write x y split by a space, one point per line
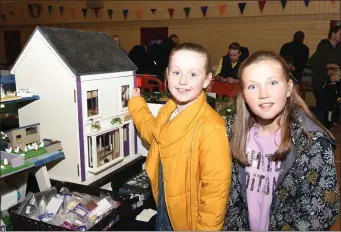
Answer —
188 163
332 97
283 174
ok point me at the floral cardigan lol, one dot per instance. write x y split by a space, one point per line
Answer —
306 196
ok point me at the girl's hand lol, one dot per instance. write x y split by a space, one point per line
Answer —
136 92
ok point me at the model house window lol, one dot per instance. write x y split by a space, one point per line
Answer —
92 102
31 130
108 147
18 139
90 161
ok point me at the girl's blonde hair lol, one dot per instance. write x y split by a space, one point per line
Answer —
245 118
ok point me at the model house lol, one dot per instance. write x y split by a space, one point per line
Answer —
22 136
84 81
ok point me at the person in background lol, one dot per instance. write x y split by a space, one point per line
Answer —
327 55
171 43
298 52
188 162
157 57
283 173
332 96
229 65
117 38
138 55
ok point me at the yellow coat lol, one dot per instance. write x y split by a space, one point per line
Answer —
195 157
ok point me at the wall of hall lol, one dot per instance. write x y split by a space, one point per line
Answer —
257 30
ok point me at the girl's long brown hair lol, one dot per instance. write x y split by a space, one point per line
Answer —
245 119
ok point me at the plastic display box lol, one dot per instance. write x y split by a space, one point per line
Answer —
113 219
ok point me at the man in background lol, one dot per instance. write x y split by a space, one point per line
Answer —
298 53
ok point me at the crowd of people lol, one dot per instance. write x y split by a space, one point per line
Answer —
269 167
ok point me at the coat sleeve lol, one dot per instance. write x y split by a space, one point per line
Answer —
318 201
142 117
215 180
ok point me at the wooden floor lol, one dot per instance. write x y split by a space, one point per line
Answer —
337 133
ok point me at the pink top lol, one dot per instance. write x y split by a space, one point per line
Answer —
261 176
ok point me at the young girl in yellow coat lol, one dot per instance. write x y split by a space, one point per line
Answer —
188 163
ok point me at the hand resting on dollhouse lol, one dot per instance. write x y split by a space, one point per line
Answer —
136 92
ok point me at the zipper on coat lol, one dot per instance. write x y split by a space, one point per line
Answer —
190 179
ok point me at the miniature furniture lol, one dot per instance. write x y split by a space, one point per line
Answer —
224 89
84 81
150 83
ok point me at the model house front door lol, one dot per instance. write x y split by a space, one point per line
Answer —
126 150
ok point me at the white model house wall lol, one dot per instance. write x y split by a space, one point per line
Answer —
108 88
40 68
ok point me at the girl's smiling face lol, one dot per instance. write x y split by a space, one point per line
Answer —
265 90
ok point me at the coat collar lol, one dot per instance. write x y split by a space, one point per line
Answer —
167 133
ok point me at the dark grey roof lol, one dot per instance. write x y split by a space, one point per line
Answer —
87 52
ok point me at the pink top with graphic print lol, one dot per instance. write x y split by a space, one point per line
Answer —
261 176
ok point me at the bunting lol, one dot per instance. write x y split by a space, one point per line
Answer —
242 7
73 13
222 8
187 10
21 12
306 2
125 13
139 13
261 4
153 11
284 3
171 12
3 17
61 9
204 10
96 10
50 9
110 13
85 11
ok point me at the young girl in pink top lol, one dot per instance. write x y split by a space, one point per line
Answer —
284 175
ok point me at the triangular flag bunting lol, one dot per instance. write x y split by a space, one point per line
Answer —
96 12
61 9
284 3
3 16
306 2
171 12
84 10
73 13
261 4
110 13
204 10
139 13
21 12
125 13
11 13
50 9
187 10
222 8
242 7
153 10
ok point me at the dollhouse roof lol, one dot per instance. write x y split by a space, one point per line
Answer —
87 52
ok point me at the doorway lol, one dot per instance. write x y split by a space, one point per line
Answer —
12 46
151 33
